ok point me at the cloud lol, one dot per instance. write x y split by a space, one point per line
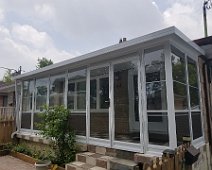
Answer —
188 17
61 29
1 15
102 23
45 11
30 36
22 45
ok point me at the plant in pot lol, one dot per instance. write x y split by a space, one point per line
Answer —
55 126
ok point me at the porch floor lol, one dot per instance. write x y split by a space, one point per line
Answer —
11 163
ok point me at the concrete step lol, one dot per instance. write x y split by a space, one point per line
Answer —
106 162
77 165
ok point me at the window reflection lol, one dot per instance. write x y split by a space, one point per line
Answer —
154 60
180 96
158 128
99 103
196 124
154 65
127 125
192 73
57 87
28 87
178 65
156 96
41 93
182 126
76 100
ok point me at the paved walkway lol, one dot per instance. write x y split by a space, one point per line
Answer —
11 163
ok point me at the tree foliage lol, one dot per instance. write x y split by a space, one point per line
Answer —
7 77
43 62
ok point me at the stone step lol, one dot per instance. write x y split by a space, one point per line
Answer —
77 165
106 162
94 159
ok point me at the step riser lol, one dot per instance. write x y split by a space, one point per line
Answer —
92 160
106 162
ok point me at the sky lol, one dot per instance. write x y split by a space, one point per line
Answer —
62 29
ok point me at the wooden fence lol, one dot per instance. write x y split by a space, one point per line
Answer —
7 124
173 161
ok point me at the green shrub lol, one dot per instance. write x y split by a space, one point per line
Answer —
22 149
55 126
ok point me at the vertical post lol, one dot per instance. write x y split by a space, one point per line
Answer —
205 19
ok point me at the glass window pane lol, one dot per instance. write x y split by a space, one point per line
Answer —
76 100
194 98
178 65
70 95
26 120
28 88
182 126
99 90
192 73
41 93
154 65
93 99
57 88
156 96
180 96
81 95
196 124
127 125
37 119
78 123
104 93
158 128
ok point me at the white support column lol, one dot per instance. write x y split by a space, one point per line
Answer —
140 101
88 105
33 105
188 94
66 89
111 108
144 125
170 98
48 91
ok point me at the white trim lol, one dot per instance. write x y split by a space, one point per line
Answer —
144 101
188 94
66 90
200 99
88 105
111 105
140 102
134 147
99 142
170 98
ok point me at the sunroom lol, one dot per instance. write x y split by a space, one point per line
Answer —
142 95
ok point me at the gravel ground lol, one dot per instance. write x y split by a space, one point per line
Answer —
11 163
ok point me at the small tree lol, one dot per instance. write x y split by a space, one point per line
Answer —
7 77
55 126
43 62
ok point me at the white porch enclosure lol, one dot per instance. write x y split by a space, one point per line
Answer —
141 95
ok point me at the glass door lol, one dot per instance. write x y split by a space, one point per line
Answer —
99 106
126 119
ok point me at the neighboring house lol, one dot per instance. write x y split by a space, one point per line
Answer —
143 95
7 100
